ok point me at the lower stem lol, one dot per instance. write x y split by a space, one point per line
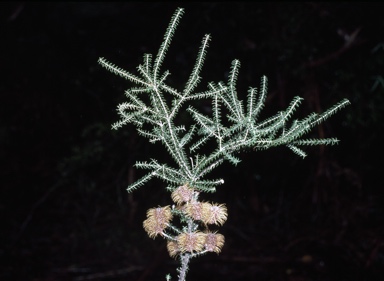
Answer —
185 258
184 266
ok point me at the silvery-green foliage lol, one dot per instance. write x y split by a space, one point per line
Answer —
244 131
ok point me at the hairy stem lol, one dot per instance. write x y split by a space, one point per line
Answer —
184 259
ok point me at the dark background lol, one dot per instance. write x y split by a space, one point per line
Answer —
65 214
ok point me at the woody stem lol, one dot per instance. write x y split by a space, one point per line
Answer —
184 266
185 258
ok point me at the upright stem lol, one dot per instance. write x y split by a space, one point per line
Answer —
185 258
184 266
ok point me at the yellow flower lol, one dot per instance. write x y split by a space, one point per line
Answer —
157 220
214 242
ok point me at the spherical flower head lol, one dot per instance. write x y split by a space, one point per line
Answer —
157 220
191 242
182 194
214 242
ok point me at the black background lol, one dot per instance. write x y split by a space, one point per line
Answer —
65 214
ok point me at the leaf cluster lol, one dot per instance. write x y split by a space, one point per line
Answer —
155 104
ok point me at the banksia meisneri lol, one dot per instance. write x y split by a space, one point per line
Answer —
156 104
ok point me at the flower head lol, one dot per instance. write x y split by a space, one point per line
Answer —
196 210
207 212
173 248
191 242
182 194
157 220
214 214
214 242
